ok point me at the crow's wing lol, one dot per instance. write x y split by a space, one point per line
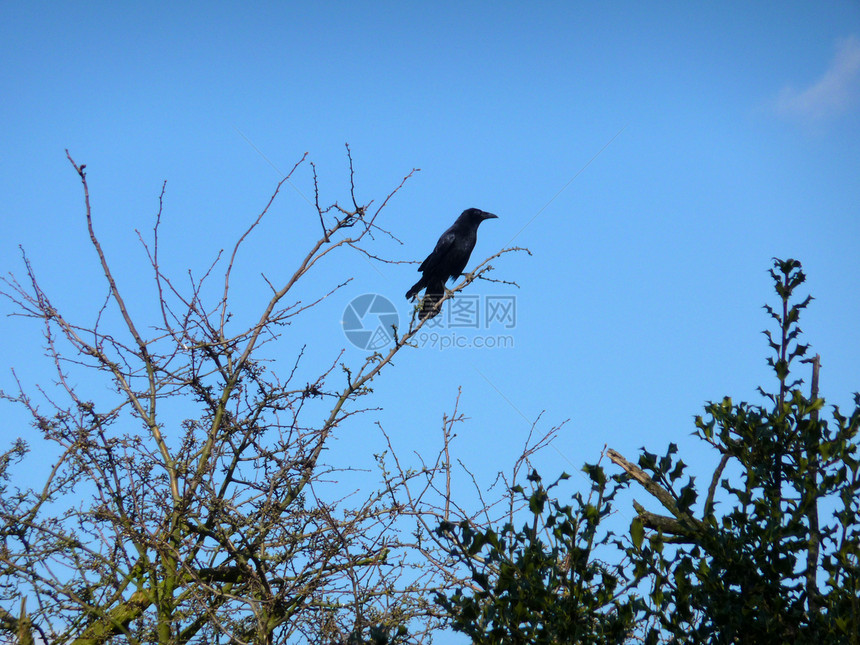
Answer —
438 256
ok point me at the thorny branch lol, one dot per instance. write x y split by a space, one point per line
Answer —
213 521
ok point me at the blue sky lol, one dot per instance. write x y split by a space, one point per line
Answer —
734 131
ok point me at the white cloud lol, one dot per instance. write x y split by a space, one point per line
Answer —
834 93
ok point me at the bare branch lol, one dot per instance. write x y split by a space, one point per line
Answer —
188 497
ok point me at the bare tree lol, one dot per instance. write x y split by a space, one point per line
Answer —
214 528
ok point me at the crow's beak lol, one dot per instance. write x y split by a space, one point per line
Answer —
487 215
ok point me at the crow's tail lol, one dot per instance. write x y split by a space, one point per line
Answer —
435 292
418 286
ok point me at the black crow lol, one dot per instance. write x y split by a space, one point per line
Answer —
448 259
